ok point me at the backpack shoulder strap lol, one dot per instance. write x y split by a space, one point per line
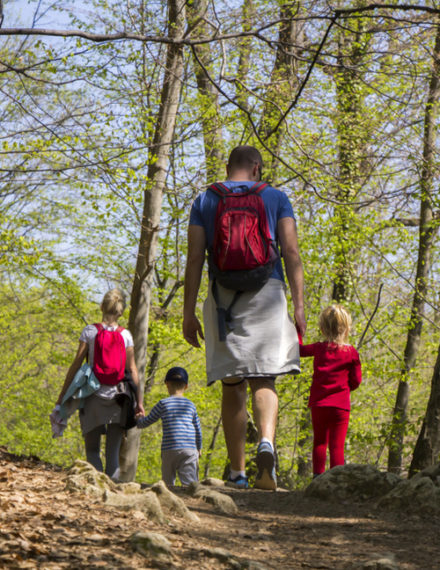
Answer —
258 187
224 316
219 189
120 329
98 326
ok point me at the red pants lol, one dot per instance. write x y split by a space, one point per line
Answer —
329 430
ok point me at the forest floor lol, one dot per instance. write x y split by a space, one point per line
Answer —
44 526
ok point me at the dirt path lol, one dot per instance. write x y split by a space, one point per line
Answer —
43 526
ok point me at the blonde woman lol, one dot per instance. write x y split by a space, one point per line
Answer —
101 413
336 371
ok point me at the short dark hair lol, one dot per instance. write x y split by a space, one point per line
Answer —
244 156
177 374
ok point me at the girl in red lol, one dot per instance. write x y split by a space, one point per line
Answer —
336 371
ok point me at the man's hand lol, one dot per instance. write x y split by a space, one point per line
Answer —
139 411
300 321
192 330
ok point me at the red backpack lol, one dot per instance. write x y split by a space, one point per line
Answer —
243 254
109 355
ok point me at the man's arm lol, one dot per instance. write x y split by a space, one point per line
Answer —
193 275
294 269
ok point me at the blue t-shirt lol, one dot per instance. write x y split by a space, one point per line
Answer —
276 203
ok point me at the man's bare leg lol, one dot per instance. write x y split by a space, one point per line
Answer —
234 417
264 406
265 411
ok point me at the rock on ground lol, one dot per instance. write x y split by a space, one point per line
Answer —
84 478
144 501
222 502
354 482
150 543
173 504
420 494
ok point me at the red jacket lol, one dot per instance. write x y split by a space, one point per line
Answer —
336 371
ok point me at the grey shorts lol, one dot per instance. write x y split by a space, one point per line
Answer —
184 462
262 340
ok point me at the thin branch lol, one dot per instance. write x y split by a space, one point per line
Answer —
371 317
340 12
177 285
305 80
251 122
145 38
378 6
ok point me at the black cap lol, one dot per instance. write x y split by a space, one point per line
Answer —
177 374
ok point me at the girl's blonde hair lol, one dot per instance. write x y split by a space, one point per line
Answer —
335 324
113 303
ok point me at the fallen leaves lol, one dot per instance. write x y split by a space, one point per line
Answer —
44 526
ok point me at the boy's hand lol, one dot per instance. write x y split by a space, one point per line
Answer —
139 415
200 453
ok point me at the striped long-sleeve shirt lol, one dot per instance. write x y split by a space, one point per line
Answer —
180 423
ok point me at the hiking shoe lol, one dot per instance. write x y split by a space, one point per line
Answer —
240 481
266 477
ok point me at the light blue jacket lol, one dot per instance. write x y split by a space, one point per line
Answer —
84 384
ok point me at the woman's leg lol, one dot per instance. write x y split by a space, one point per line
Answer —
320 438
112 446
92 441
337 434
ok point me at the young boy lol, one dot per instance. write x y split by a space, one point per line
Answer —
182 435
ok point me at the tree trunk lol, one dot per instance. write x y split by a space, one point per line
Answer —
352 139
211 447
210 107
427 231
305 438
282 83
159 157
161 315
244 57
427 449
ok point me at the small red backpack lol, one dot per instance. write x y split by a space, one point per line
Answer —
109 355
243 254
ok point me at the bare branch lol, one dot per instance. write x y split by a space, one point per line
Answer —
305 80
379 6
145 38
336 13
361 340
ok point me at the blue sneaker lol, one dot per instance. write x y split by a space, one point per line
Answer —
240 481
266 476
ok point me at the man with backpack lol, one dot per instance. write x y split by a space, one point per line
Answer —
250 338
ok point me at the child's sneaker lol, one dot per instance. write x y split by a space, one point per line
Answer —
240 481
266 477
